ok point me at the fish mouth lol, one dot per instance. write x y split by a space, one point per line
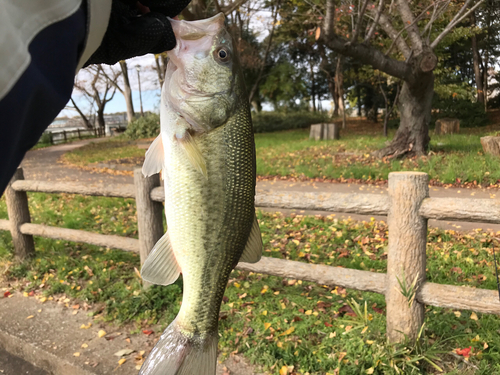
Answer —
194 30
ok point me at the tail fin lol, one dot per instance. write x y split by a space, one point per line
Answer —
179 354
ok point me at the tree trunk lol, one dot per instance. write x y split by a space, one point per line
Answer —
85 120
100 117
415 103
127 92
313 93
339 89
476 59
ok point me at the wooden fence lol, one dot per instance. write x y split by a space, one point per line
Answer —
407 206
63 136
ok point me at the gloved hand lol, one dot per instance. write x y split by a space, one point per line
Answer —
137 28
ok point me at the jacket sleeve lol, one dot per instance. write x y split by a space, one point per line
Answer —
44 42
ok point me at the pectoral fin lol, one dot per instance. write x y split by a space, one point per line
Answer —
253 249
193 152
154 158
161 267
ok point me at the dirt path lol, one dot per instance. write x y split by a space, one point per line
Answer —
44 164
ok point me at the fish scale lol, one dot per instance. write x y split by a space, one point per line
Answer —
207 153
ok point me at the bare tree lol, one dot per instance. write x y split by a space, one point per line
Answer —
100 88
126 91
84 117
413 62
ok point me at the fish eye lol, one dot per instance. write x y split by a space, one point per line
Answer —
222 54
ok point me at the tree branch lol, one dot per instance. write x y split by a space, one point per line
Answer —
386 25
360 21
234 5
371 31
413 32
368 55
420 16
456 20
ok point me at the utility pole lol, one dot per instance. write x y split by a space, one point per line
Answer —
138 68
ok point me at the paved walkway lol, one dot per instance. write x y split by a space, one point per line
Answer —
44 164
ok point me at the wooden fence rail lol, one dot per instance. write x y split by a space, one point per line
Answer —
407 206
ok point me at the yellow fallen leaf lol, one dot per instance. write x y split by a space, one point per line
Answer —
333 334
370 370
279 344
263 291
476 339
485 346
308 312
457 314
267 325
83 326
284 370
364 330
84 346
243 295
296 242
264 312
25 294
43 299
237 285
473 316
101 333
122 361
348 328
288 331
369 342
76 354
31 316
283 306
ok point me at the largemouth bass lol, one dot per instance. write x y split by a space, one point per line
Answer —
206 153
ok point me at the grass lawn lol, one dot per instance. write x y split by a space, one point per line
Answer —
274 322
453 159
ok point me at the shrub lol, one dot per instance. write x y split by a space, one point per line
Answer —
45 138
144 127
265 122
471 114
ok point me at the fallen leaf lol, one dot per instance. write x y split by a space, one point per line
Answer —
288 331
6 294
473 316
267 325
31 316
122 361
308 312
101 333
83 326
464 352
124 352
284 370
458 314
77 354
147 332
84 346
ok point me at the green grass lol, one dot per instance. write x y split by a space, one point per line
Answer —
274 322
452 158
95 152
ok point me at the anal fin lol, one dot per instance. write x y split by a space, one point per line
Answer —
161 267
253 248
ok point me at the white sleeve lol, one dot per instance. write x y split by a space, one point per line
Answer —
22 20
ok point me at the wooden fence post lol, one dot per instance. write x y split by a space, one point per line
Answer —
149 214
19 213
406 257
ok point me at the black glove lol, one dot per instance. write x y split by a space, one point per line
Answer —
131 33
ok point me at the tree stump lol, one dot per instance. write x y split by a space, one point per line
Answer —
491 145
447 126
325 131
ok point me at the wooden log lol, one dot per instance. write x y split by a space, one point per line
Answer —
318 273
459 298
73 235
56 187
491 145
406 256
149 214
331 131
316 132
447 126
466 209
367 204
325 131
19 213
